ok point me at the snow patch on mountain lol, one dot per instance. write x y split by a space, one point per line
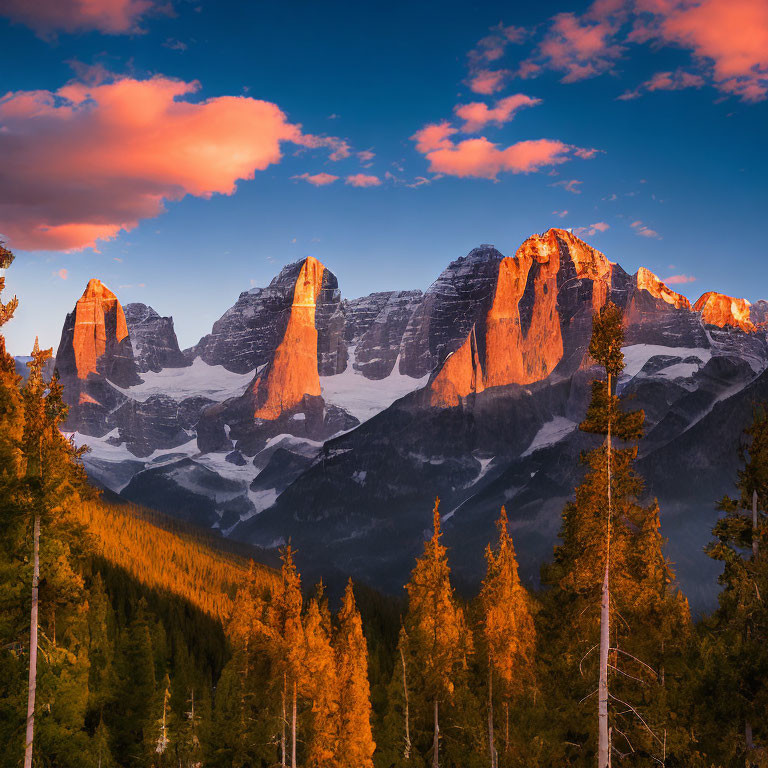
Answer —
198 380
549 433
637 355
363 398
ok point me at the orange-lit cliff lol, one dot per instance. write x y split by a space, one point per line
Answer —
98 314
292 373
718 309
517 349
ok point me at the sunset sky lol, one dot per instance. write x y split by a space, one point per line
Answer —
184 151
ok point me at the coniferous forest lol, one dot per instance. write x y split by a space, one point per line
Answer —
126 640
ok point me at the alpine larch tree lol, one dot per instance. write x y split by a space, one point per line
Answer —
508 634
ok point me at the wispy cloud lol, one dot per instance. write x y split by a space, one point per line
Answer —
679 279
592 229
644 231
362 180
569 185
477 115
316 179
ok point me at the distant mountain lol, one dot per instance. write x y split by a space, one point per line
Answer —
335 422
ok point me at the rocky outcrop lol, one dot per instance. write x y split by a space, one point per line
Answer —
95 340
459 298
153 339
247 335
657 315
721 310
647 281
94 353
293 371
758 312
519 339
376 325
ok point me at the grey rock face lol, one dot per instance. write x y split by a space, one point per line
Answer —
453 303
247 334
758 312
329 321
378 323
153 338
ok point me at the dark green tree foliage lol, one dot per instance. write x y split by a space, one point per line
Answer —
736 658
649 627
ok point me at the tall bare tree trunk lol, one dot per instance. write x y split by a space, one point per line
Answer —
754 525
491 747
604 747
436 742
33 647
293 728
285 720
407 750
506 725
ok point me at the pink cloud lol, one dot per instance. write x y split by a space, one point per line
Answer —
569 185
679 279
434 136
365 157
592 229
63 274
363 180
491 47
91 160
666 81
728 40
477 115
586 154
674 81
579 46
481 158
561 214
317 179
114 17
731 34
644 231
488 81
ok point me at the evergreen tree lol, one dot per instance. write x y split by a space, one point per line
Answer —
285 635
739 640
356 745
608 579
508 633
439 641
319 684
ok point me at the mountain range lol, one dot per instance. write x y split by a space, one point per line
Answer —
334 423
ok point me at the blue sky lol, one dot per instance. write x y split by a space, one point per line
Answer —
682 159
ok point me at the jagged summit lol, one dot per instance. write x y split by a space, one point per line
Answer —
96 329
721 310
647 281
292 372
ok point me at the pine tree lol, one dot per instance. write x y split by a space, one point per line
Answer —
284 634
508 632
611 557
439 641
319 685
741 621
356 745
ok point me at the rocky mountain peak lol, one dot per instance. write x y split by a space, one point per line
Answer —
293 371
647 281
97 326
153 338
721 310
